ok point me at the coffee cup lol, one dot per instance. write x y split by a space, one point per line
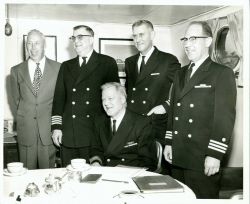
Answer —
78 163
15 167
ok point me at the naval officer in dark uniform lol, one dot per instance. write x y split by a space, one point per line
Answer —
150 74
77 96
121 136
202 115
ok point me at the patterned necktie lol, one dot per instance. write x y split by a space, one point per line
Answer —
114 127
189 72
142 64
83 62
37 79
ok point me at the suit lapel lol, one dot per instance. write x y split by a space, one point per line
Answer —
74 68
150 65
134 68
119 139
105 132
180 80
26 75
201 73
88 68
47 73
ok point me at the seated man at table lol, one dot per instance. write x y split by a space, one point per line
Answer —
121 137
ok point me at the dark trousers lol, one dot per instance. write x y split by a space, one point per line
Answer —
69 153
159 126
203 186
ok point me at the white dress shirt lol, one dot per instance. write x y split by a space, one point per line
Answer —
147 56
87 58
118 119
197 64
32 67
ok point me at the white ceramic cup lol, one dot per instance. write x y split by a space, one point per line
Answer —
78 163
15 167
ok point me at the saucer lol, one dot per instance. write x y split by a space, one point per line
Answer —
85 168
7 173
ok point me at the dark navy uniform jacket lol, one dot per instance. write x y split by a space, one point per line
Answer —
77 97
202 115
151 87
132 144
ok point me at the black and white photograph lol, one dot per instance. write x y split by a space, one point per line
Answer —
124 102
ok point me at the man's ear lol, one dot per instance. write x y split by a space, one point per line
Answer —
208 41
123 99
91 40
45 44
152 35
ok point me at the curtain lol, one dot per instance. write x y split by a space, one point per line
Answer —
235 23
215 25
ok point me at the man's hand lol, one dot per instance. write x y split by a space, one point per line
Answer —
157 110
212 166
95 164
168 153
57 137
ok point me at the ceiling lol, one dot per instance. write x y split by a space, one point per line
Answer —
125 14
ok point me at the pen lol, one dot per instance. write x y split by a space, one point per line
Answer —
115 180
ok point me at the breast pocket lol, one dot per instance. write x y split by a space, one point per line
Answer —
131 145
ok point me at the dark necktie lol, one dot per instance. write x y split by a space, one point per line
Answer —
37 79
142 64
114 127
189 72
83 62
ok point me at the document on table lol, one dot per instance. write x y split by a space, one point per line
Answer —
119 173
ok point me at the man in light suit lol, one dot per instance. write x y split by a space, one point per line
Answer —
201 116
32 85
121 136
150 74
77 96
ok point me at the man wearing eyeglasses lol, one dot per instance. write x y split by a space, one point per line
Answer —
202 115
77 95
150 74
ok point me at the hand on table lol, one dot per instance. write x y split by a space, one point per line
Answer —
95 164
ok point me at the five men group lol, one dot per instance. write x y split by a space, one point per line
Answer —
95 118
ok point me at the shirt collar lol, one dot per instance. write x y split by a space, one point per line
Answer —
32 63
197 64
200 61
149 53
87 59
119 117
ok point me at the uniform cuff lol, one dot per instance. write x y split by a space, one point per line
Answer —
168 137
216 149
56 122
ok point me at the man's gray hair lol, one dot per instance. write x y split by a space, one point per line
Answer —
37 32
87 28
143 22
121 89
206 29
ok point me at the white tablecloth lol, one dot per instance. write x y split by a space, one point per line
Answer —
74 192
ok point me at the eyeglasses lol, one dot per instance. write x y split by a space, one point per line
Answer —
191 39
33 43
79 37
